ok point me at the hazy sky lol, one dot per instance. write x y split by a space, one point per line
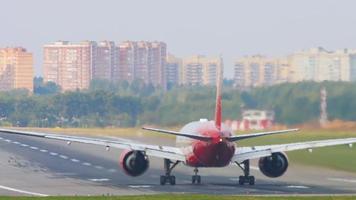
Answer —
232 28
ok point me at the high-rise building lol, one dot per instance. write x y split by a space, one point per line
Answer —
200 70
353 66
69 64
127 60
173 71
143 60
157 63
255 71
106 61
16 69
318 65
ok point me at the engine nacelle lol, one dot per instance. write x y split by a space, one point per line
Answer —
273 166
134 163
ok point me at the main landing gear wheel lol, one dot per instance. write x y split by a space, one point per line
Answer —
196 178
246 178
168 178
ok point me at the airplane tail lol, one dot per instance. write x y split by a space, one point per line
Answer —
219 82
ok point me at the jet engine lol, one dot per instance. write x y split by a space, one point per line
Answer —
134 163
274 166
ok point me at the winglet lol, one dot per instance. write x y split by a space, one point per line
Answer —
219 81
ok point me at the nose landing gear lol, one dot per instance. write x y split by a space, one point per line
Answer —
196 178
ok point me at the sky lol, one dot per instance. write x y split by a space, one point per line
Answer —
230 28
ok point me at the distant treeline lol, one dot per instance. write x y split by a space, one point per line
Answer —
106 104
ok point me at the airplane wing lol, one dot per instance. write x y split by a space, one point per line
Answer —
252 135
173 153
247 153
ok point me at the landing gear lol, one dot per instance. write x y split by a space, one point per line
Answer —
196 178
168 178
246 178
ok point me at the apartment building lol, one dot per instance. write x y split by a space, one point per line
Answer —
105 61
315 64
143 60
69 64
16 69
200 70
173 71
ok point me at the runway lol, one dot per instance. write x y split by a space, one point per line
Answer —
39 167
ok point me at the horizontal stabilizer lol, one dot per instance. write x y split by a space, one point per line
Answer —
252 135
188 135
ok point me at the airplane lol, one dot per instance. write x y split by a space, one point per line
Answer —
199 144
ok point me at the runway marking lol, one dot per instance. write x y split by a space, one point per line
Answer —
99 179
44 150
7 140
63 156
298 186
342 180
53 154
112 170
99 167
86 164
34 148
74 160
140 186
24 145
1 138
23 191
15 142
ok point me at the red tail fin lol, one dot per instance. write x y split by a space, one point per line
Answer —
219 80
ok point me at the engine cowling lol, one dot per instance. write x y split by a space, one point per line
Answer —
273 166
134 163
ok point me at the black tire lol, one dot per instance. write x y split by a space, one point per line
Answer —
163 180
251 180
193 179
198 179
172 180
241 180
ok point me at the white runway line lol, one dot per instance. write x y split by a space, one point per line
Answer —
139 186
63 156
112 170
44 150
15 142
24 145
298 186
99 179
342 180
99 167
7 140
86 164
74 160
53 154
34 148
23 191
1 138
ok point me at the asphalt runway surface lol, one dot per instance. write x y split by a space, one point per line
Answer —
41 167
